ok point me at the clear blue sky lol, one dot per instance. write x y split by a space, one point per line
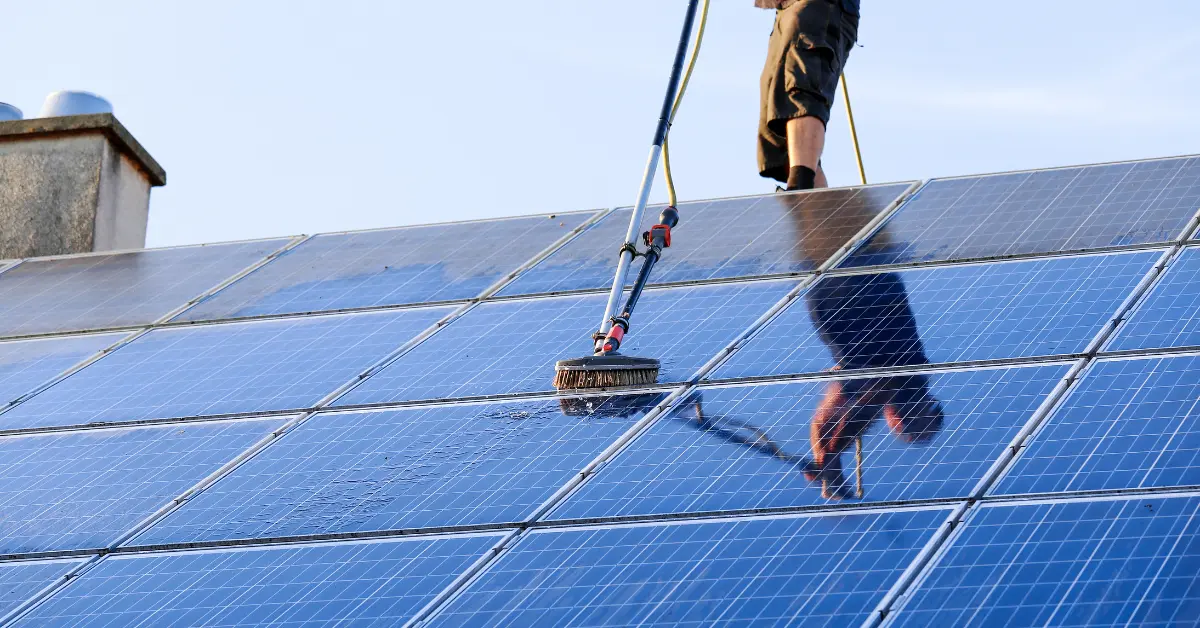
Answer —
277 117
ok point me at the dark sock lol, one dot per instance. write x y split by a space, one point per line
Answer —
801 178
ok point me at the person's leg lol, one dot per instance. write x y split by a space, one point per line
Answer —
805 142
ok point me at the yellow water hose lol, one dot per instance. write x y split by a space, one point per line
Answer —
687 76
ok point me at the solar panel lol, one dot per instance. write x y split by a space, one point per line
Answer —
738 237
379 583
1170 314
247 367
82 490
1042 211
1127 424
19 581
944 314
389 267
819 443
1079 563
27 364
511 346
122 289
819 571
413 468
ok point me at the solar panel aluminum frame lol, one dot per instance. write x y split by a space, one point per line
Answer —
972 510
954 514
1144 293
37 598
7 265
1192 225
1036 429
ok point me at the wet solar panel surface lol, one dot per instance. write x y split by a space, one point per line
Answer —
389 267
511 346
721 239
819 443
415 468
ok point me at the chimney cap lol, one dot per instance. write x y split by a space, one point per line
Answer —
104 123
68 102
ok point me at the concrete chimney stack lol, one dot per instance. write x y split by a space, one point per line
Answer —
73 184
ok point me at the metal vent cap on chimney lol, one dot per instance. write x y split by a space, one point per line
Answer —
74 103
9 112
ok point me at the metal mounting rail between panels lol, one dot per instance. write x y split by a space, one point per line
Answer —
138 332
208 294
1006 257
873 225
501 283
49 590
10 265
464 579
915 568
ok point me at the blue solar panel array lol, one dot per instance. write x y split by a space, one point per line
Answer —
99 291
377 583
389 267
1110 562
868 413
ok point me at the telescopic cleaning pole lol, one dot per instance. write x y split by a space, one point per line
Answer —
660 135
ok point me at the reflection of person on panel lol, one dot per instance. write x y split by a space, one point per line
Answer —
866 322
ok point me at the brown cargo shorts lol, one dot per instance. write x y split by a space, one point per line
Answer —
808 49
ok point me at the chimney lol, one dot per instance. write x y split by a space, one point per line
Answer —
73 184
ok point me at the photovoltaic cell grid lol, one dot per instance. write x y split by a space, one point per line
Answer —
511 346
1170 315
247 367
381 583
389 267
944 314
811 571
760 235
122 289
1090 563
412 468
82 490
21 580
786 445
1127 424
27 364
1043 211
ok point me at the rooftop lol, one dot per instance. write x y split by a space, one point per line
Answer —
936 402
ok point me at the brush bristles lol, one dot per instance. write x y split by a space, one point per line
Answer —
571 380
